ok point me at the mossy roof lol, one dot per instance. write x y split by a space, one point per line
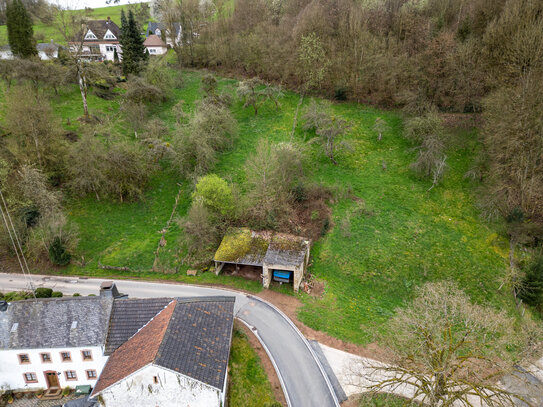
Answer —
244 246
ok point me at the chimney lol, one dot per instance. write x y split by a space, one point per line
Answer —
109 289
3 306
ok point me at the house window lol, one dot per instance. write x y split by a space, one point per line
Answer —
31 378
90 36
23 358
110 48
65 356
91 374
110 37
87 355
70 375
152 51
45 357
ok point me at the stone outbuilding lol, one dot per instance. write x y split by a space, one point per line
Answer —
278 256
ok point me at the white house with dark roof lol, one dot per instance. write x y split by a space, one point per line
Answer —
46 51
179 357
161 31
53 343
154 45
133 352
98 41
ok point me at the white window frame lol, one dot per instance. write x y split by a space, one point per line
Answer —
110 48
109 35
90 36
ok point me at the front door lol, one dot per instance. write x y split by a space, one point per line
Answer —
52 379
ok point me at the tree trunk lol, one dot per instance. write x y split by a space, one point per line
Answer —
83 90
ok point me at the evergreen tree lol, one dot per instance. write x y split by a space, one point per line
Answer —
115 56
132 45
20 32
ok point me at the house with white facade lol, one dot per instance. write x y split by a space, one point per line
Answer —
98 41
154 45
179 357
132 352
163 32
53 343
46 51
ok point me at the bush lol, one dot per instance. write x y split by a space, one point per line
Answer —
76 295
56 294
43 292
58 253
17 296
532 292
139 91
216 195
211 129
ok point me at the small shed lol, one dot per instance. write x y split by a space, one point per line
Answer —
281 257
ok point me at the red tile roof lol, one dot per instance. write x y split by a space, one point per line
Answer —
154 41
145 343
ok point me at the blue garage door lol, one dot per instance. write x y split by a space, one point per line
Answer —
283 276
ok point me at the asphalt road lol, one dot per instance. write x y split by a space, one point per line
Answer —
304 383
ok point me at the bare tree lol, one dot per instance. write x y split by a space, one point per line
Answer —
72 25
449 351
328 129
255 92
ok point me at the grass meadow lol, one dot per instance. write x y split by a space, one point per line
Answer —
389 233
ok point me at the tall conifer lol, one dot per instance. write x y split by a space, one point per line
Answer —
132 45
20 32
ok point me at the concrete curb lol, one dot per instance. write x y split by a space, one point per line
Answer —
255 332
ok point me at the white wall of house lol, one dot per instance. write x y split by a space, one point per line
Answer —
12 372
156 386
44 57
6 54
157 50
108 50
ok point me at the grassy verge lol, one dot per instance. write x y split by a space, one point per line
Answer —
249 385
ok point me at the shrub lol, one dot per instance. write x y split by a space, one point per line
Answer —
58 253
127 171
201 233
215 194
76 295
532 292
211 129
56 294
43 292
139 91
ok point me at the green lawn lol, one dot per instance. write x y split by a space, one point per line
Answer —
389 233
47 32
249 385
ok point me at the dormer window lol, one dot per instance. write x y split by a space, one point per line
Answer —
109 36
90 36
157 32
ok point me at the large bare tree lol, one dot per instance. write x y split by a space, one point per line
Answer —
451 352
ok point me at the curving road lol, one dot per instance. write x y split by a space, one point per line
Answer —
304 382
